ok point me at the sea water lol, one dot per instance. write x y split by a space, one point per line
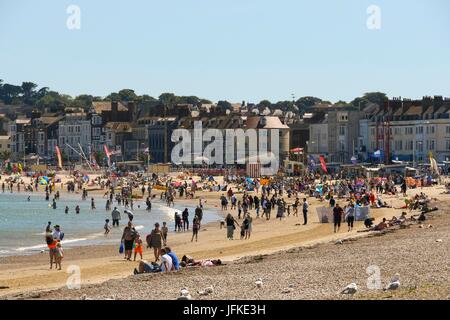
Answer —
23 222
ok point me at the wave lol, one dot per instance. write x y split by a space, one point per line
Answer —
43 246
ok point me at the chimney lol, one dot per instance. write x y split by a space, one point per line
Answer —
114 110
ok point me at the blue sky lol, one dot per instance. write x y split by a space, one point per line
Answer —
235 49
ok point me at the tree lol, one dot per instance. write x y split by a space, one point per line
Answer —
342 103
127 95
373 97
9 92
306 102
285 106
224 105
28 91
167 99
205 101
54 101
264 104
113 96
82 101
188 100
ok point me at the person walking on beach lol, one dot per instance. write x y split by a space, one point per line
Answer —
199 215
165 231
155 241
185 216
128 236
92 204
305 211
350 216
337 217
231 226
77 209
195 228
66 210
248 226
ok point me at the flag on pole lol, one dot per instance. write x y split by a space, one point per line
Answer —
58 155
108 154
322 162
433 164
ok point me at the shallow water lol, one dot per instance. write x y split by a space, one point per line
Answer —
23 223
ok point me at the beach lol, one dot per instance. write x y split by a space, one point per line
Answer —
288 249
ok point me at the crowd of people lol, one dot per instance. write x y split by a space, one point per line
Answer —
241 200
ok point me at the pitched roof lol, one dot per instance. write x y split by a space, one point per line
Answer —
271 123
100 106
119 126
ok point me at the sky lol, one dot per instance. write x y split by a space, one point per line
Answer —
235 50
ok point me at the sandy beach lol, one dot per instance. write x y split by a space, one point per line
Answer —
275 240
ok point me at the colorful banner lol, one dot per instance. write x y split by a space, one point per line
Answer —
108 154
58 154
322 162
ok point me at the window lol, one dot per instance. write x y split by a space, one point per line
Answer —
419 146
447 145
419 130
409 145
342 130
431 145
373 145
398 131
408 130
398 145
430 130
447 129
372 131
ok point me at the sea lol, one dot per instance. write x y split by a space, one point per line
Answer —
23 222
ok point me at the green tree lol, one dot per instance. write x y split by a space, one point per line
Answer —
264 104
9 92
82 101
167 99
224 105
28 93
127 95
373 97
306 102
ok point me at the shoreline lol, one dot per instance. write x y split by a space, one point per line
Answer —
420 284
21 274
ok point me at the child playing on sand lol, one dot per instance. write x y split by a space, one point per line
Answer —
137 246
165 231
59 255
107 228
